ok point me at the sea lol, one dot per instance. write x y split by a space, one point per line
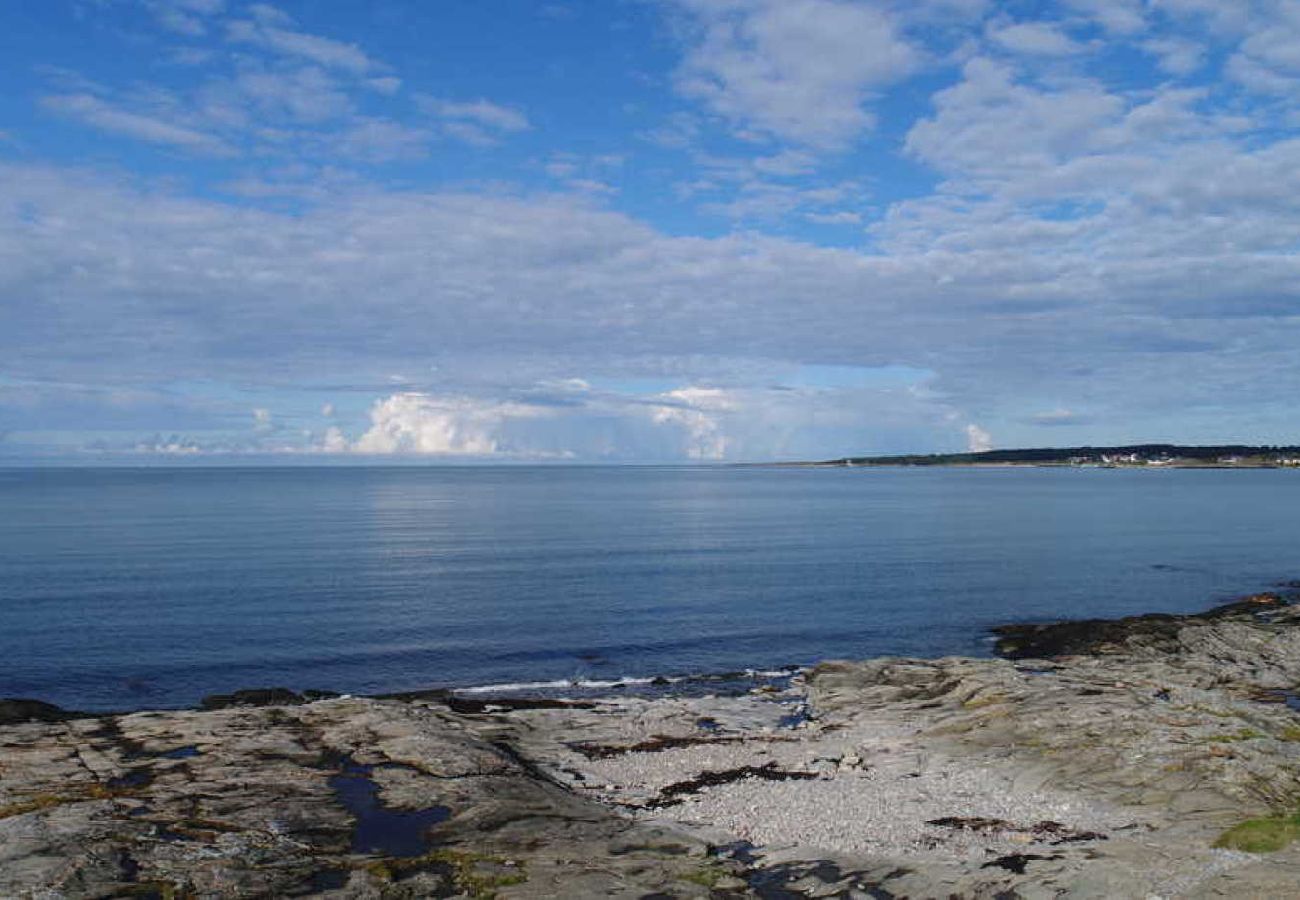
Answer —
130 588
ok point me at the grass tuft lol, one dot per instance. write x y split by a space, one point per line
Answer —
1261 835
476 875
1245 734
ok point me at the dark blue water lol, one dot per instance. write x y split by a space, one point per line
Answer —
132 588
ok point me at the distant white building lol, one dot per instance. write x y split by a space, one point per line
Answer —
1119 459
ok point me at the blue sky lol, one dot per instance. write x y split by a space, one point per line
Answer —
645 230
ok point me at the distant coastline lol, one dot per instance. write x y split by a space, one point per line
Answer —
1175 456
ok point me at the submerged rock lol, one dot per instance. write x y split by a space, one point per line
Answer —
1158 632
263 697
14 711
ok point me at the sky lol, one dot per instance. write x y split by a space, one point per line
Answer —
645 230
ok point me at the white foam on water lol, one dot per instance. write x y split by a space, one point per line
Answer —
559 683
625 681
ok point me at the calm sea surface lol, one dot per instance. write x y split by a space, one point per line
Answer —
152 587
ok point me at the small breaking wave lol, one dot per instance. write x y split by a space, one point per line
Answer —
558 684
628 681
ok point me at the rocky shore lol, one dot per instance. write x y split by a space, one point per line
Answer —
1156 756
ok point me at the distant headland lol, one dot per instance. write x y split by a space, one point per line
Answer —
1227 456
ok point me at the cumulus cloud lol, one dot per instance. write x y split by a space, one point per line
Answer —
427 425
1119 17
1268 60
990 123
697 410
422 423
172 445
569 418
801 70
334 441
1035 39
1176 56
977 439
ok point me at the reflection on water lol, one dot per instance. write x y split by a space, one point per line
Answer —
128 588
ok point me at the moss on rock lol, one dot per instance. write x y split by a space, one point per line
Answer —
1261 835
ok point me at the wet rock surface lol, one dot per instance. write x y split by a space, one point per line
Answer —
1110 767
1156 632
15 711
342 797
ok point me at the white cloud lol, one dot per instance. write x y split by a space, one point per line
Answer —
334 441
800 70
185 17
385 85
1176 56
758 199
482 112
1223 18
1058 417
1079 216
423 424
977 439
834 218
1268 60
988 123
478 122
380 140
306 94
273 30
1119 17
1167 276
173 445
698 411
102 115
1035 39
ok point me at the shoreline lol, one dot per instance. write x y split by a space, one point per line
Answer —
1100 758
645 686
837 464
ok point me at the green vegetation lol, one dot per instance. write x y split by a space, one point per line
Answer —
78 794
34 803
707 875
1261 835
1245 734
476 874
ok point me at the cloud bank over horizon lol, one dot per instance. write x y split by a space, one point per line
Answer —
681 230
